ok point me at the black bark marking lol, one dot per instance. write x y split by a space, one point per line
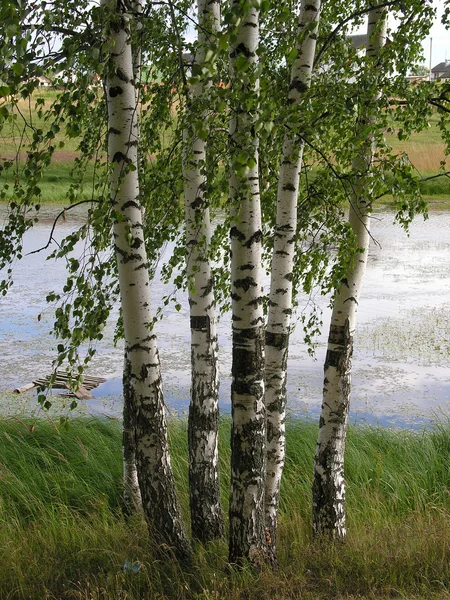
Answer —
114 131
127 256
337 335
332 358
289 187
284 228
143 265
130 204
200 323
122 75
247 267
208 287
277 340
114 91
256 301
256 322
120 157
199 202
241 49
254 239
235 233
245 283
299 86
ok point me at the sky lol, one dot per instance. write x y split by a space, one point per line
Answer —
440 37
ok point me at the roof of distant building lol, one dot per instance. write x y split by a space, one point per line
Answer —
442 67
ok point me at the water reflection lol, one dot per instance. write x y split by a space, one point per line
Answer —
402 349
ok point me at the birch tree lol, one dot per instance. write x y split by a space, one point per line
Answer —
248 434
132 500
142 376
204 490
329 482
280 298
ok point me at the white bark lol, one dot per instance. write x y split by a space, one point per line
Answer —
280 298
205 505
132 501
329 481
142 373
248 435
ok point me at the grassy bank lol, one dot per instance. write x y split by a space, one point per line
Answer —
55 182
62 534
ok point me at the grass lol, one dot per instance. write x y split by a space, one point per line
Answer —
62 534
55 182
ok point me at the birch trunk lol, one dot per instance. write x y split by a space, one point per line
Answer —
248 436
142 378
280 298
204 490
132 501
329 481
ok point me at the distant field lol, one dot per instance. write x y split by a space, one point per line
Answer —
18 134
425 150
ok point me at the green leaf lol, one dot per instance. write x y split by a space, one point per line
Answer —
18 68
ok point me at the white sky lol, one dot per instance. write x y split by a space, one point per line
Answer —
439 35
441 39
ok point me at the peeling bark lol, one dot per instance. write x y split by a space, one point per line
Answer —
329 480
280 298
248 464
204 489
142 379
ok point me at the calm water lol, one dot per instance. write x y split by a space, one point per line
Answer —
401 362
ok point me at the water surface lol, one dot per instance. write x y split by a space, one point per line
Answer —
401 360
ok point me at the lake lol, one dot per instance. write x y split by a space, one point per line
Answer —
400 377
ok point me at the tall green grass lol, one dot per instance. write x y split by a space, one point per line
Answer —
62 534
